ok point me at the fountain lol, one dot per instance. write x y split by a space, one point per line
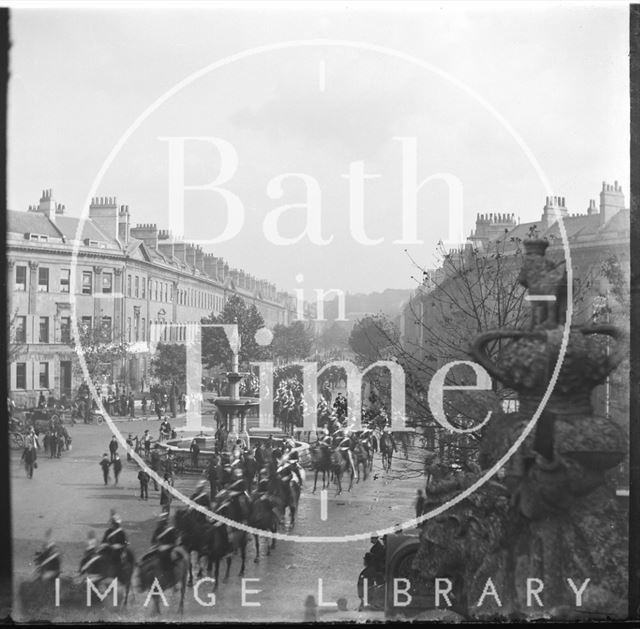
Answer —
233 409
554 517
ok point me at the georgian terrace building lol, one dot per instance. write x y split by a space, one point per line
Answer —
126 278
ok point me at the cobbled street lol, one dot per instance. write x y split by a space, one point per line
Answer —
68 496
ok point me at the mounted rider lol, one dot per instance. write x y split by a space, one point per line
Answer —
48 560
344 443
201 497
237 493
164 539
115 539
289 468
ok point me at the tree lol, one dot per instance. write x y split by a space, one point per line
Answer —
373 338
170 363
291 342
216 351
333 340
99 350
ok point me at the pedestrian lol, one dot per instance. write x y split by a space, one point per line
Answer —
155 463
29 458
143 477
165 496
195 451
41 400
419 504
113 447
130 446
143 404
132 406
147 443
105 463
117 467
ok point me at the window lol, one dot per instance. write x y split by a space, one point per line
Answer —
65 330
65 275
44 375
43 337
21 278
85 323
129 328
21 330
136 331
107 283
87 282
21 375
136 287
128 286
43 280
144 284
150 291
143 328
155 287
106 327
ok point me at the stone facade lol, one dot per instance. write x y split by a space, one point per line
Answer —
118 275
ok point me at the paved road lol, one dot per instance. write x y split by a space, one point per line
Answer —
68 496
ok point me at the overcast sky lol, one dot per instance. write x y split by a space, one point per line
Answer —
557 74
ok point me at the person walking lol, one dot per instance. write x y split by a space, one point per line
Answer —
147 443
195 451
143 477
165 496
419 504
143 404
130 445
29 458
132 406
113 447
117 467
105 463
155 463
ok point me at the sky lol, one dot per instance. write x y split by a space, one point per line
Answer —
484 103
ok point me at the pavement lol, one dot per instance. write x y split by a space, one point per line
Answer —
68 496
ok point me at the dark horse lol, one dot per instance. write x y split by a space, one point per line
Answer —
339 464
263 517
285 494
387 448
321 462
151 570
102 566
361 456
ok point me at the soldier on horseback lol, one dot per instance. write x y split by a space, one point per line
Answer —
164 540
48 560
290 468
201 497
345 446
115 539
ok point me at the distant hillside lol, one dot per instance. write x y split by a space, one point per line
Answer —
389 302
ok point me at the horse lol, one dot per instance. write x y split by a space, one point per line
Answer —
250 468
236 509
339 465
361 456
262 517
286 494
387 448
102 565
150 570
195 537
321 462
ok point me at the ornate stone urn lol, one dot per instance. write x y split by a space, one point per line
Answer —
563 520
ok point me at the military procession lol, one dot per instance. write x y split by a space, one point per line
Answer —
257 487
